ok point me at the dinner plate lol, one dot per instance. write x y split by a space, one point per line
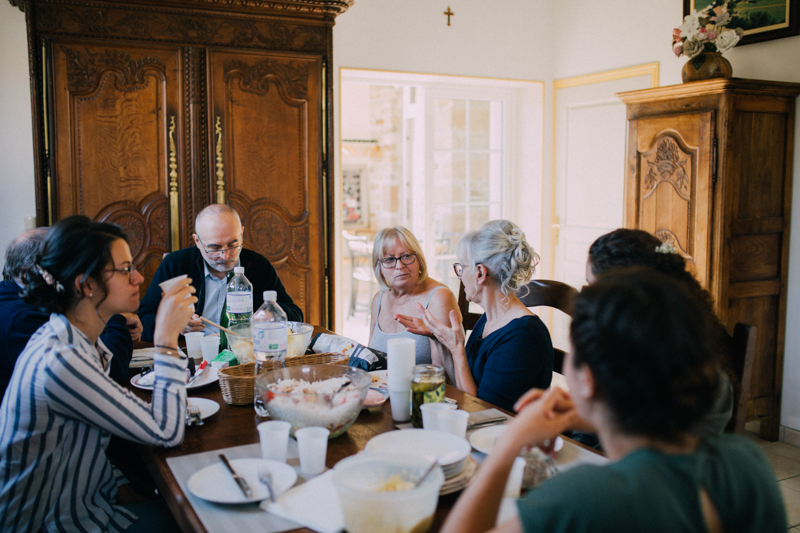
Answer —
215 483
460 481
209 376
380 379
483 439
375 397
207 407
443 447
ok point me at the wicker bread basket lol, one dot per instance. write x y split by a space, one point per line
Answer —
238 382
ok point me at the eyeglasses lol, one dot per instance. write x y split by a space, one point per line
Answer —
391 262
129 270
458 268
217 252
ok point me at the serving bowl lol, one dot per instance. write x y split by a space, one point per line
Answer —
329 396
299 338
377 494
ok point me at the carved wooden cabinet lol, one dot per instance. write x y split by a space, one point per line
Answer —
147 111
709 169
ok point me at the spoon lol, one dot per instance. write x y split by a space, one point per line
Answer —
426 474
340 389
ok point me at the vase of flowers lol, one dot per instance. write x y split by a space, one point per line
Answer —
703 38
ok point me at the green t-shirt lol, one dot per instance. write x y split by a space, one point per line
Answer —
654 492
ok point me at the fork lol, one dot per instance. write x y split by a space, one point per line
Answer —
193 413
265 477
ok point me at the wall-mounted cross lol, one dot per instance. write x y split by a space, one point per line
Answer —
449 14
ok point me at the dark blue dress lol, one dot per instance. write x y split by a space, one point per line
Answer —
511 360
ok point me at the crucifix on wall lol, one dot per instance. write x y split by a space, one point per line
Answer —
449 14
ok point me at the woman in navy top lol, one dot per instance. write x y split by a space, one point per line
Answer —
510 350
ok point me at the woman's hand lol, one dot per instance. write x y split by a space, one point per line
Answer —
542 416
452 336
134 325
414 325
174 313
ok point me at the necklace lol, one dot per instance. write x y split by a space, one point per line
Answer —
496 320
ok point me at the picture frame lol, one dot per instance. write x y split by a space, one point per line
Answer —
767 27
355 214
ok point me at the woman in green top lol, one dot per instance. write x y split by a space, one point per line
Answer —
642 372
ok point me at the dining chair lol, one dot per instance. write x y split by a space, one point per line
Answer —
468 320
742 357
549 293
360 253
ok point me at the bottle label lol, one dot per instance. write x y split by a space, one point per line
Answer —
270 338
239 302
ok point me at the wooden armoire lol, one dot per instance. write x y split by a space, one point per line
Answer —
146 111
709 169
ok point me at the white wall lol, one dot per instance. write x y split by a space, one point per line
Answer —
16 145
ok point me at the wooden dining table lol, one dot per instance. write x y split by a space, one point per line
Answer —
236 425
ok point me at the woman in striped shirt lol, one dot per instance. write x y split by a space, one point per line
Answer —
61 407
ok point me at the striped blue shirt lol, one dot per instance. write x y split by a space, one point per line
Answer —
56 419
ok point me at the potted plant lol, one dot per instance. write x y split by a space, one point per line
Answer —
703 38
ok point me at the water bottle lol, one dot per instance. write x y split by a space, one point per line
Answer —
270 337
239 301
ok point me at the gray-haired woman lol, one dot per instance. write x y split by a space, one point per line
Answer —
509 351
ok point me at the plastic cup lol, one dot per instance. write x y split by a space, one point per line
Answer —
454 422
514 482
209 345
193 346
274 437
400 361
401 404
431 412
166 285
312 446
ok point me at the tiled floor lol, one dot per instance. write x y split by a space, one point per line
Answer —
785 459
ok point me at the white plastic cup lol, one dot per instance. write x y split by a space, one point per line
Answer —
401 404
193 346
274 436
400 360
166 285
454 422
209 346
312 446
514 482
431 412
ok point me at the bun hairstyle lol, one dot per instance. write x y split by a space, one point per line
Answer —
649 346
500 246
74 247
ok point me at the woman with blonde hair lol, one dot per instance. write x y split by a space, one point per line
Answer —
510 350
402 274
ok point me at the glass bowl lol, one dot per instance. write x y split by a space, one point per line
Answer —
299 338
310 395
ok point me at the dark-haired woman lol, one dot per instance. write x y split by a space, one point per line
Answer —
632 247
642 372
61 406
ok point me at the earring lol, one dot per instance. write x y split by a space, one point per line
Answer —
91 294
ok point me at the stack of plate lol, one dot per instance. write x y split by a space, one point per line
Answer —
450 451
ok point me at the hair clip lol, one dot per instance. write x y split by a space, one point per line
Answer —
666 248
49 279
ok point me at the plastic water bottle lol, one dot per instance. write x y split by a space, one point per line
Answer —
270 337
239 301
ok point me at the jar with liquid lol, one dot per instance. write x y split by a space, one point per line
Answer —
427 386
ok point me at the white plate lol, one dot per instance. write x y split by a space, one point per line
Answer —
209 376
444 447
483 439
380 380
375 397
207 407
215 483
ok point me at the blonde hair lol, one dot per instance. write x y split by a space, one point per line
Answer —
386 238
500 246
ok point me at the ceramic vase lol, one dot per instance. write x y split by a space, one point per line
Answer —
706 66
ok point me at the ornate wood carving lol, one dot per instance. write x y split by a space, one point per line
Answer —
84 70
270 232
322 7
667 236
667 163
292 76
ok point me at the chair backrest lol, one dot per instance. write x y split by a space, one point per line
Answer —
549 293
468 320
742 357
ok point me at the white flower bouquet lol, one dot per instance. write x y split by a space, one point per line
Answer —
705 31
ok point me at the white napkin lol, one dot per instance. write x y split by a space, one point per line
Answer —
314 504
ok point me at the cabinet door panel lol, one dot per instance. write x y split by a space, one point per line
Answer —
269 109
673 184
111 111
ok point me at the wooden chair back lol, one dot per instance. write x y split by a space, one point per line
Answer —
468 320
742 357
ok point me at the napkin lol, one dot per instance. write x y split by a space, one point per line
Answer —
314 504
479 416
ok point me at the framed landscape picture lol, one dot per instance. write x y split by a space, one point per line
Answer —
761 20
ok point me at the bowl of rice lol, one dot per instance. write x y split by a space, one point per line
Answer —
299 338
329 396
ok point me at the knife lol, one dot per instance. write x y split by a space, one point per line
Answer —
197 374
239 480
487 422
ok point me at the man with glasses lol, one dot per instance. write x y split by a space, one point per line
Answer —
18 320
218 248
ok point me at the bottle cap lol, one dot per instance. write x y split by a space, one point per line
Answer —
238 270
270 296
